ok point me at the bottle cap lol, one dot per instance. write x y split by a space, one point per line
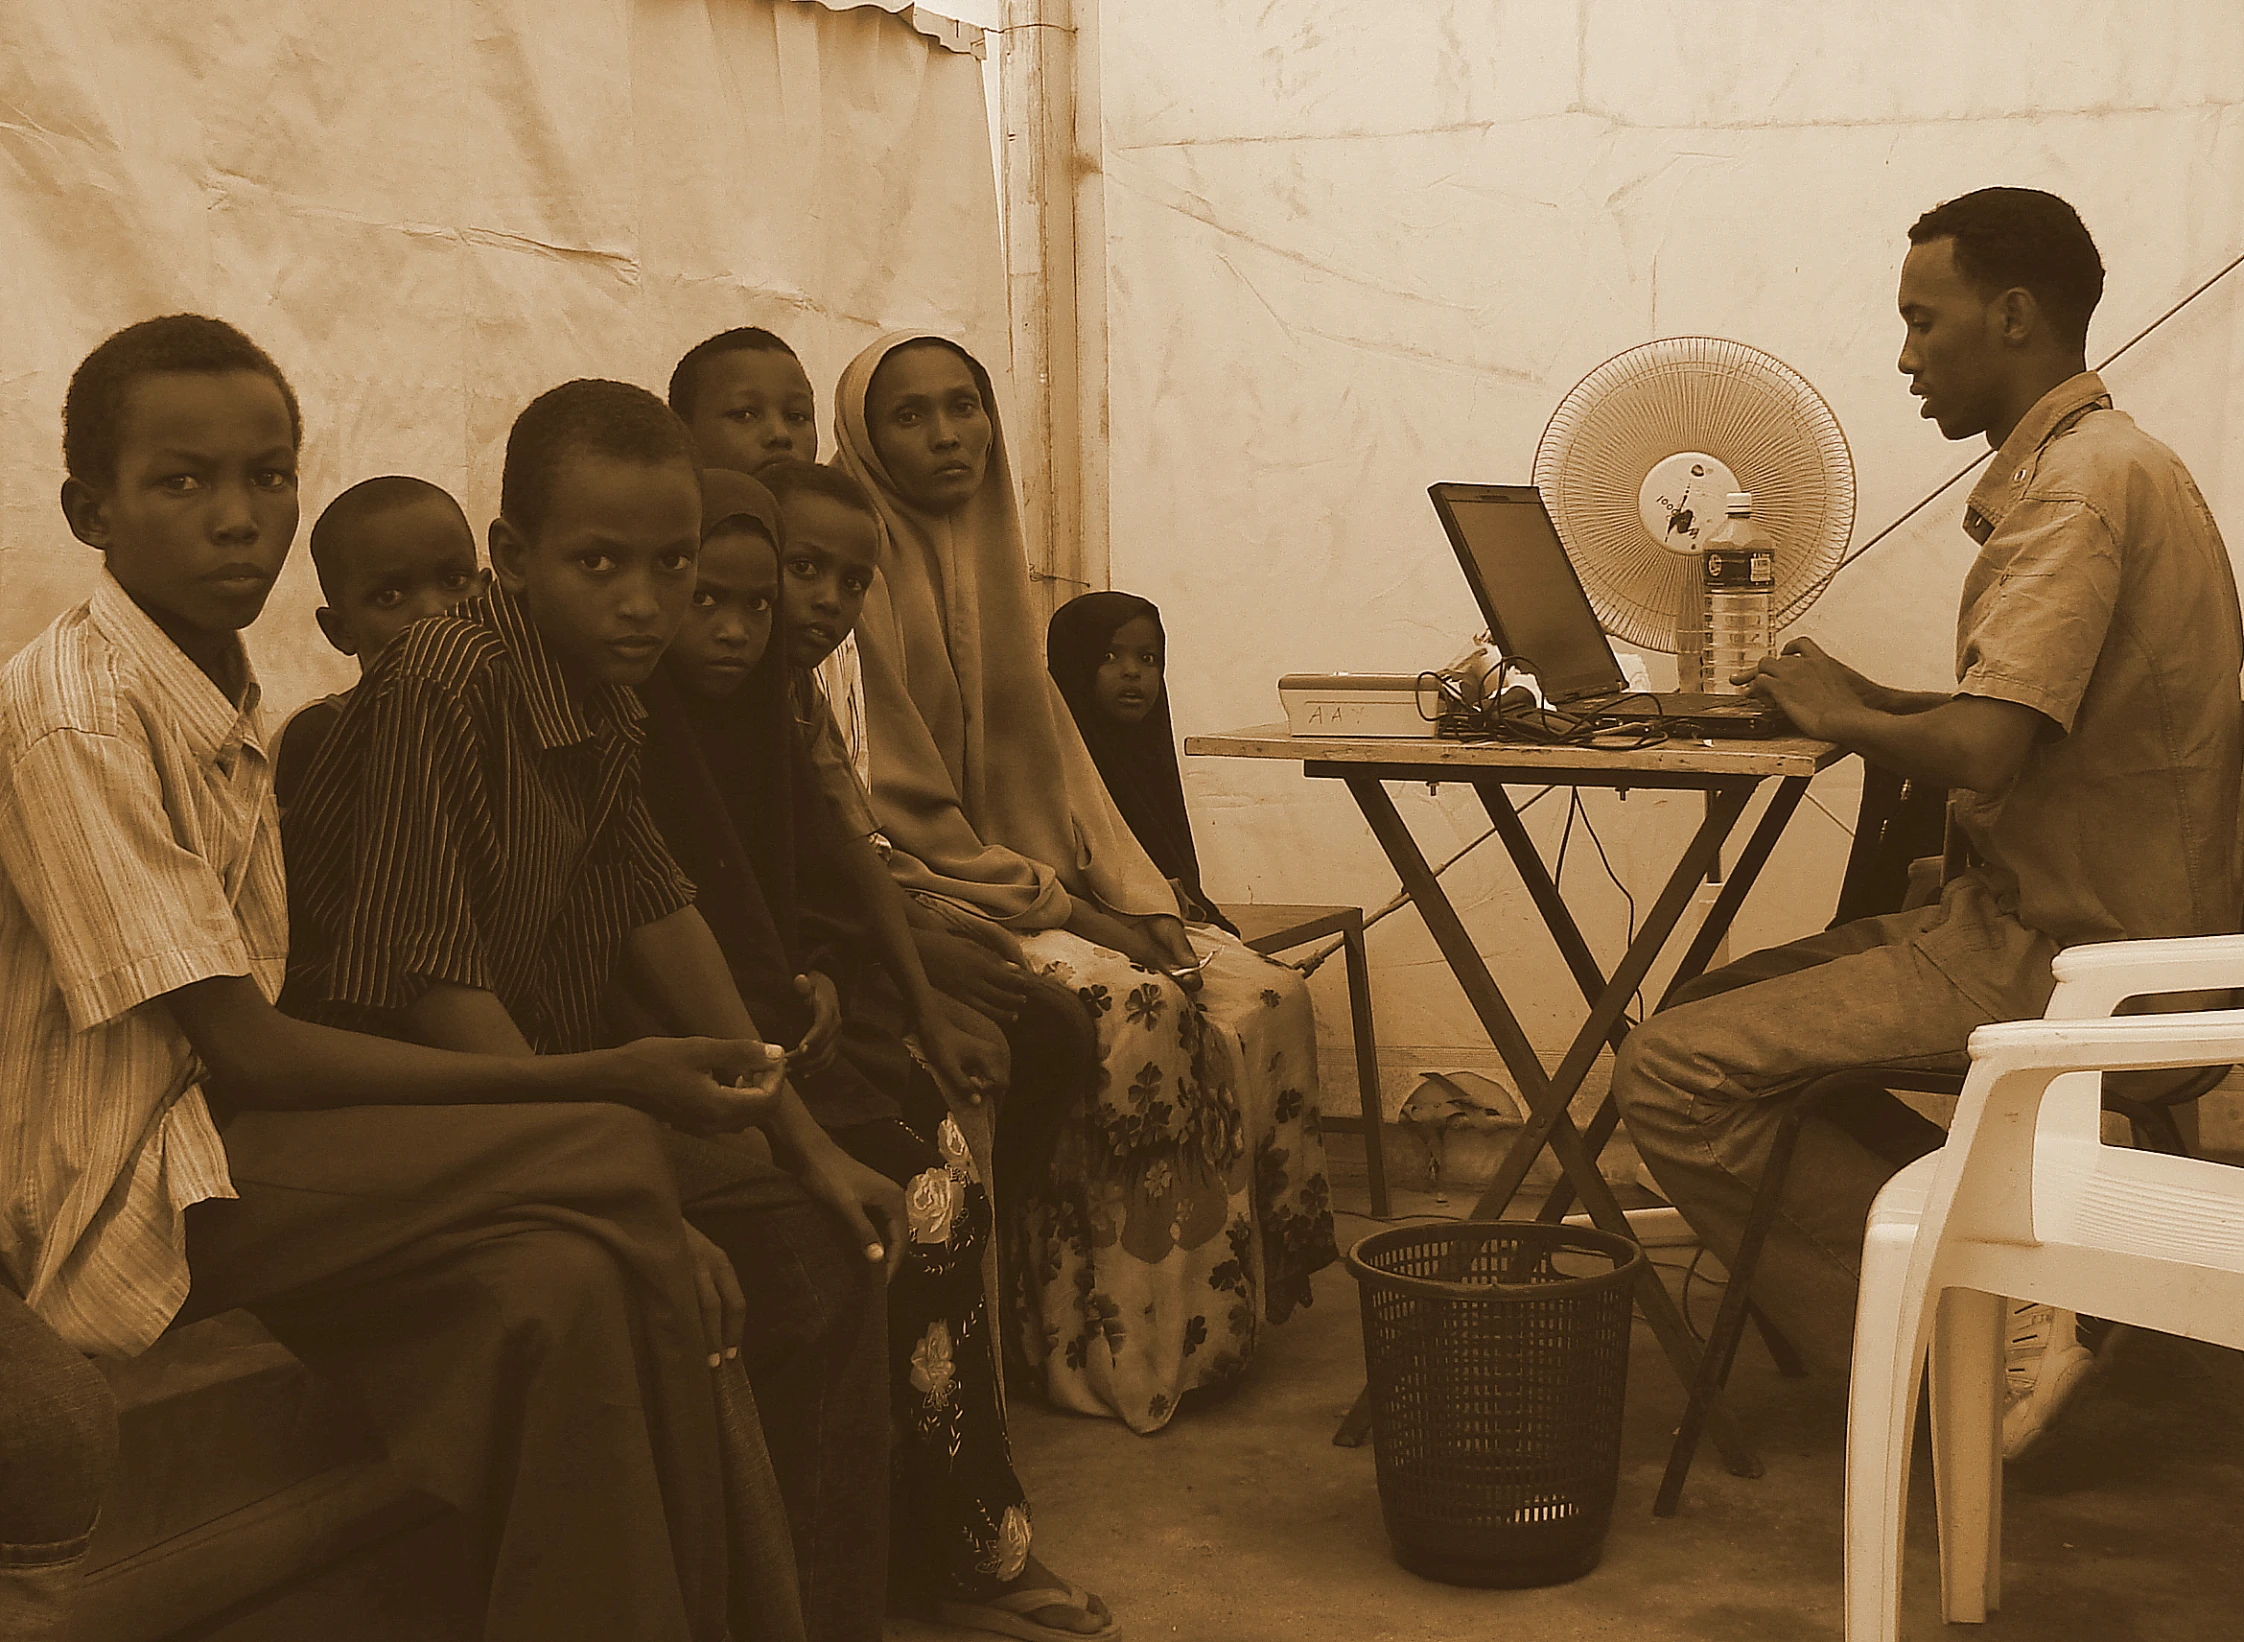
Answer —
1741 502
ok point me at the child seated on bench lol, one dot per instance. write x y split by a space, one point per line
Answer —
502 1287
747 401
1109 656
388 552
788 880
475 869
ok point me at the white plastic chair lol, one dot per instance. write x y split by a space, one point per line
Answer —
2025 1201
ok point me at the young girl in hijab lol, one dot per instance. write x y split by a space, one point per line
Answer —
1108 654
1186 1204
727 779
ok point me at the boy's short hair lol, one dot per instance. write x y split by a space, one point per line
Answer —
366 500
685 381
792 478
2006 237
175 344
587 417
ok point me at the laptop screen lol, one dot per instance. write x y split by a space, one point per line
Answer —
1518 570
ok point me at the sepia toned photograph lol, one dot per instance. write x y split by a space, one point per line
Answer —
1221 820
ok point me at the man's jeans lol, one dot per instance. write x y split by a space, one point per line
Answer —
58 1446
1697 1084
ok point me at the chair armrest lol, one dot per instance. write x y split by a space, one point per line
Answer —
2120 1043
2095 980
2035 1083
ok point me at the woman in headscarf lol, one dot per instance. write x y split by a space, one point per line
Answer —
727 778
1109 656
1187 1203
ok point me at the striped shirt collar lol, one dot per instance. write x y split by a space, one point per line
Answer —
2008 475
212 726
555 717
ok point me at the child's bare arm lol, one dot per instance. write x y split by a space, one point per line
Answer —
676 966
467 1018
955 1059
261 1058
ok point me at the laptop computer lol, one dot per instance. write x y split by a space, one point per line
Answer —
1536 609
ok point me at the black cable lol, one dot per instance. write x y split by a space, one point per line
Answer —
1491 707
1684 1304
1591 828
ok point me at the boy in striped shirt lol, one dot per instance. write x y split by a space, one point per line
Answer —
388 551
486 1254
474 867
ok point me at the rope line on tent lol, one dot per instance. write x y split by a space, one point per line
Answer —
1948 483
1401 897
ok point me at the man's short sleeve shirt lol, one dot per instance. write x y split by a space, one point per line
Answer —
2103 598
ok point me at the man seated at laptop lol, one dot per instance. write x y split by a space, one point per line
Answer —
2092 741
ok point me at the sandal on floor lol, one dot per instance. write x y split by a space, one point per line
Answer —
1012 1614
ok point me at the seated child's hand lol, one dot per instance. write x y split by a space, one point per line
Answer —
816 1052
960 1065
869 1203
724 1311
973 974
704 1086
994 937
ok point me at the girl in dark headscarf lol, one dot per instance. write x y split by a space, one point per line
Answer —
1107 653
727 779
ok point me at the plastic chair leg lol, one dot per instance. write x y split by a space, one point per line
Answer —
1967 1403
1881 1420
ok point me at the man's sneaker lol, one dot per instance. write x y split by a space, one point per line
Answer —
2046 1364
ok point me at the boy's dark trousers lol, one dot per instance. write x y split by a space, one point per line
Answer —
505 1292
816 1351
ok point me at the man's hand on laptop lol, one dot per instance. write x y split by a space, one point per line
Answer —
1817 692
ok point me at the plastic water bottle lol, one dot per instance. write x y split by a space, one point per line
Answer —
1690 629
1738 564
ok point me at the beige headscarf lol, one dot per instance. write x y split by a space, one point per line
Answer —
980 778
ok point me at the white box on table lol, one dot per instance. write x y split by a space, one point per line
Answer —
1380 706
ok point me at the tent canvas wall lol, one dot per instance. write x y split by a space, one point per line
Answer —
1353 247
429 211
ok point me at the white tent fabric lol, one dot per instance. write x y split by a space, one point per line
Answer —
430 210
1353 247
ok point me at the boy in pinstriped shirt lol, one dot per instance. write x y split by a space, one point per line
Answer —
388 551
473 867
495 1270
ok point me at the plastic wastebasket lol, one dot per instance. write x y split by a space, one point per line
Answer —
1498 1361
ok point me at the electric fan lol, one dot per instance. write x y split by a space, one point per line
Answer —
1638 458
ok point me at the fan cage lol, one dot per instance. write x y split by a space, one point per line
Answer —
1725 399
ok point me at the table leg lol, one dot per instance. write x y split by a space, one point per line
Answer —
1719 917
1543 890
1732 894
1547 1119
1550 1122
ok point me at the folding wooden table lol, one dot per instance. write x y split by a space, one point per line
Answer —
1728 773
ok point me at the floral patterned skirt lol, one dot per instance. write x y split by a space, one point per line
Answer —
960 1524
1186 1203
